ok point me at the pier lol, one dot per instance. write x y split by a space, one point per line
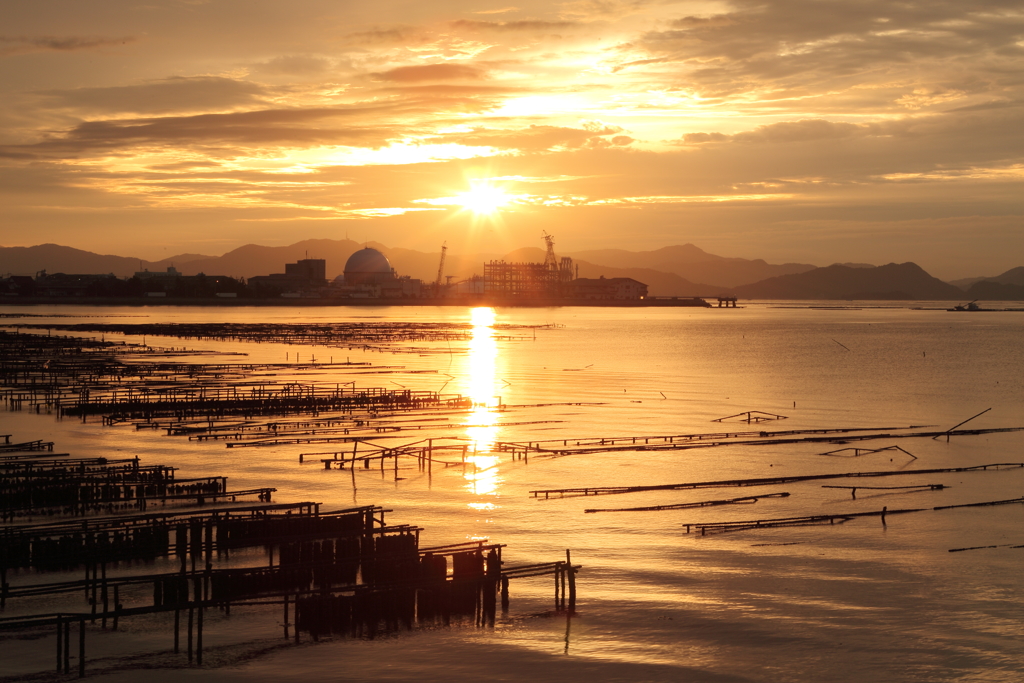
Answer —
330 573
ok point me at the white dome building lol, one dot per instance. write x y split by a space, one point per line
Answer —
368 267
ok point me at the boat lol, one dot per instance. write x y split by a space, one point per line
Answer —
972 306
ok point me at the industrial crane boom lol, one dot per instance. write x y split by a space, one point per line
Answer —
440 266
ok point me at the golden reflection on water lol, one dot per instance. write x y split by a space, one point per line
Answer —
482 422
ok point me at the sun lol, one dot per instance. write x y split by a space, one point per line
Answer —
483 198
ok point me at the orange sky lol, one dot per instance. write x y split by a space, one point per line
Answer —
791 130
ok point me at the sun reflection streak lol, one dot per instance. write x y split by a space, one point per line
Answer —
482 422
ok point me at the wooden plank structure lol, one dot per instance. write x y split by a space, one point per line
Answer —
752 416
369 335
915 487
706 528
744 500
857 452
762 481
81 377
342 572
657 442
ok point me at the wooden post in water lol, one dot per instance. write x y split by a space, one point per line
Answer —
92 600
189 639
558 570
104 595
199 635
562 577
572 582
81 648
286 616
60 641
67 646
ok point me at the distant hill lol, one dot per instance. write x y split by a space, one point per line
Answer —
1014 276
255 259
891 282
987 290
693 264
965 283
55 258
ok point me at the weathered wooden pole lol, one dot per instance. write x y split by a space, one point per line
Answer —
199 635
286 617
562 577
558 570
67 646
189 639
60 641
572 582
117 605
104 595
93 599
81 648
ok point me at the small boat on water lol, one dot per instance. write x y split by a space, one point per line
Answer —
975 307
972 306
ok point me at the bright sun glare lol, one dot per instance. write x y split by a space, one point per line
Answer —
483 198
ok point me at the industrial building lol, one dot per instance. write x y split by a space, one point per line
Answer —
607 289
546 280
556 280
302 278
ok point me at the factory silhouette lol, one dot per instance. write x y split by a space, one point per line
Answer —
367 279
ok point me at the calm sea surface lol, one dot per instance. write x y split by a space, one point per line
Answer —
852 602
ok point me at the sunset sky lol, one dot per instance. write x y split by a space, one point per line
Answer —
794 130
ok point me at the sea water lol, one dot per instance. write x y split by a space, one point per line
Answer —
857 601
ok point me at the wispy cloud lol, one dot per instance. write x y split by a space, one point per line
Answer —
431 72
14 45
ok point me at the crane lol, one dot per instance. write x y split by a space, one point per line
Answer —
440 268
550 261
